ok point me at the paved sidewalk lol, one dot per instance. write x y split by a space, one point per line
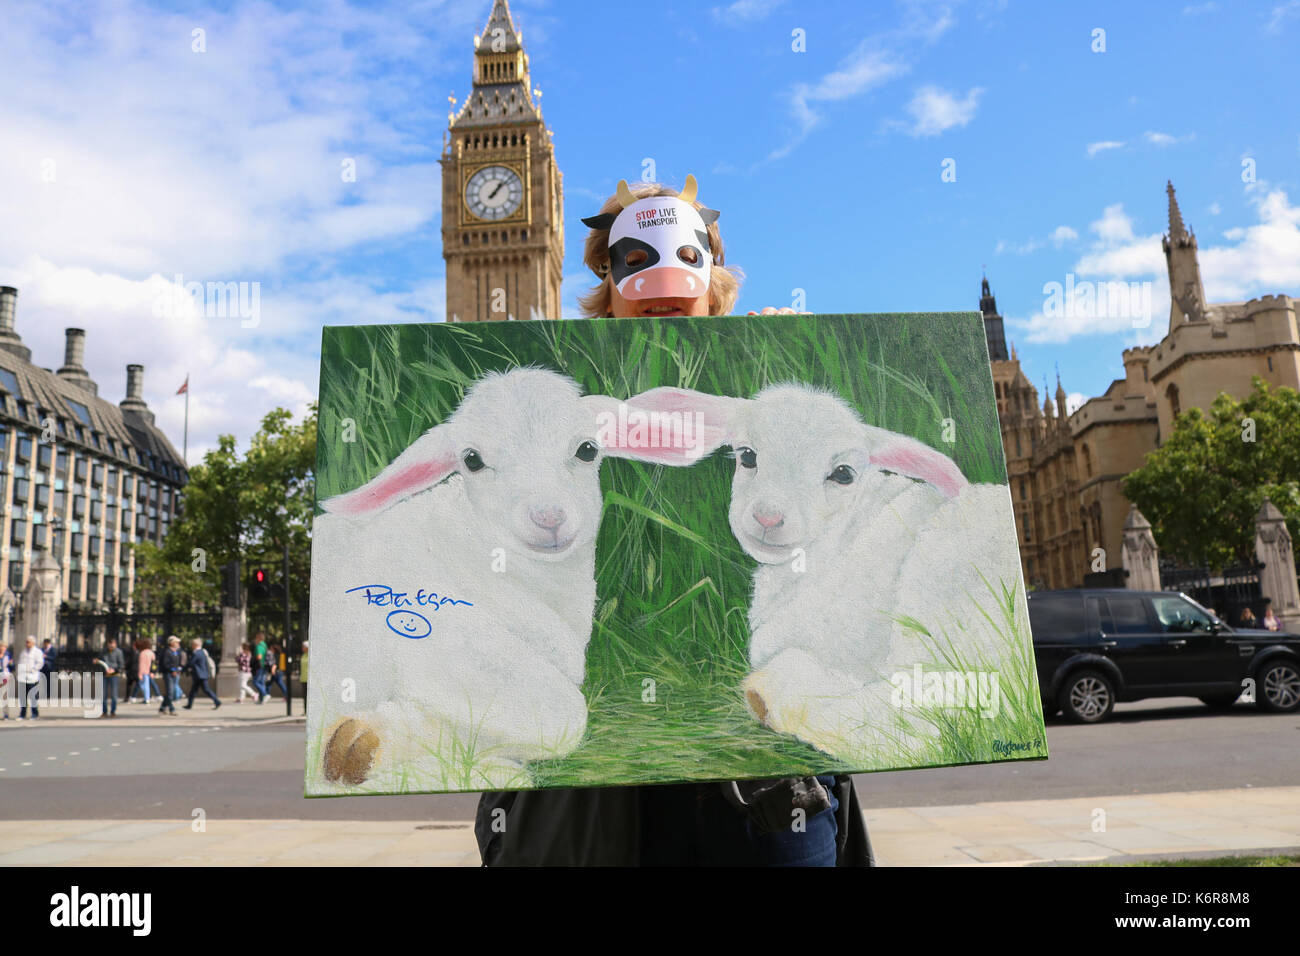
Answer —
1213 822
146 715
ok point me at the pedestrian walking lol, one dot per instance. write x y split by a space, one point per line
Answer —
51 659
244 661
302 674
130 654
201 670
169 666
144 667
259 667
6 679
274 671
28 674
114 663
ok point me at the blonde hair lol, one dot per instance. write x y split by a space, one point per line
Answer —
724 281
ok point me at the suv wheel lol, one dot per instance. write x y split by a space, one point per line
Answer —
1277 686
1087 697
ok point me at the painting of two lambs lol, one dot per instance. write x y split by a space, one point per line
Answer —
453 592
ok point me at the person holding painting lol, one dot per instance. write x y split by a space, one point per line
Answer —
671 267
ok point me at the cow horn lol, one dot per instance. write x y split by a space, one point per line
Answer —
689 190
625 197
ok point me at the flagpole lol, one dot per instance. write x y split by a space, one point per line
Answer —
185 440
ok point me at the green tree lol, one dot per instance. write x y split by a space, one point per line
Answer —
243 508
1203 487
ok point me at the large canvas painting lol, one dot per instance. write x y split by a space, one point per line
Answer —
629 551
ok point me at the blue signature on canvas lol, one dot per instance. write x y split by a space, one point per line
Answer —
401 620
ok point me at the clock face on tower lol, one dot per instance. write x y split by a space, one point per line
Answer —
493 193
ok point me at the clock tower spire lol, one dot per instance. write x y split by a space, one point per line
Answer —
502 193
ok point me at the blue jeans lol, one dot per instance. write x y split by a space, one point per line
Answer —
31 693
694 825
110 693
171 691
259 681
146 687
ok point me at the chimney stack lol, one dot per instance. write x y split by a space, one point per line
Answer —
74 356
134 401
9 339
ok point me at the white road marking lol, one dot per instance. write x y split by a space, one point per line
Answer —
74 753
27 763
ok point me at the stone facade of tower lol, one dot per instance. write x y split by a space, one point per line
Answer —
502 192
1041 468
1067 472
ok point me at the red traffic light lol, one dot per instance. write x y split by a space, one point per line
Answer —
259 576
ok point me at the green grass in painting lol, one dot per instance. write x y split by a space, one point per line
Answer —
673 584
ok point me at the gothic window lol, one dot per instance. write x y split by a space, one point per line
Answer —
1087 462
1175 405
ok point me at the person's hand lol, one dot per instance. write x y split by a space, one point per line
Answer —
782 311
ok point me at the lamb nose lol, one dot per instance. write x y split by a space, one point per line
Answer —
548 518
769 519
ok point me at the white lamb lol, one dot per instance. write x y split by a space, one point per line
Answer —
452 595
855 529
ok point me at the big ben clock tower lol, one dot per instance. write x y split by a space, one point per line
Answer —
502 194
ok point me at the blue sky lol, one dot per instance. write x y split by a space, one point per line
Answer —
130 158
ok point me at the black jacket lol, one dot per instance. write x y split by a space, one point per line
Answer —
633 826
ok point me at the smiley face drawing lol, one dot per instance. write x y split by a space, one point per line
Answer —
409 624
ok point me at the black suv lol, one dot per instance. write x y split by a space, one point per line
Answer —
1096 647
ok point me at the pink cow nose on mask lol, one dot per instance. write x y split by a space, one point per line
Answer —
548 518
769 519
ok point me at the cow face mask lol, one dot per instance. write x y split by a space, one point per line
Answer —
658 246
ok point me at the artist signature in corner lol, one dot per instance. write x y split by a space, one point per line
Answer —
401 620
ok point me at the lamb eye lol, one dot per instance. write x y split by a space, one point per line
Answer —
748 458
842 475
689 255
473 460
636 258
586 451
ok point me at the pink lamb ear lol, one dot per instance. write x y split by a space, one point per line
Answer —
918 460
666 426
427 461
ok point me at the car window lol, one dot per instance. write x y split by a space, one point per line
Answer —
1099 615
1056 618
1129 615
1178 616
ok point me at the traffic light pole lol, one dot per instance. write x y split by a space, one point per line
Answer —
288 670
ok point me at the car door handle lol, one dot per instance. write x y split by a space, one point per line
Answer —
1109 643
1177 642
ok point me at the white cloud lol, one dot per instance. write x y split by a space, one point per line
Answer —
934 110
877 59
1095 148
1258 259
1074 401
1215 209
1165 139
1058 237
1196 9
745 11
128 158
1280 14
